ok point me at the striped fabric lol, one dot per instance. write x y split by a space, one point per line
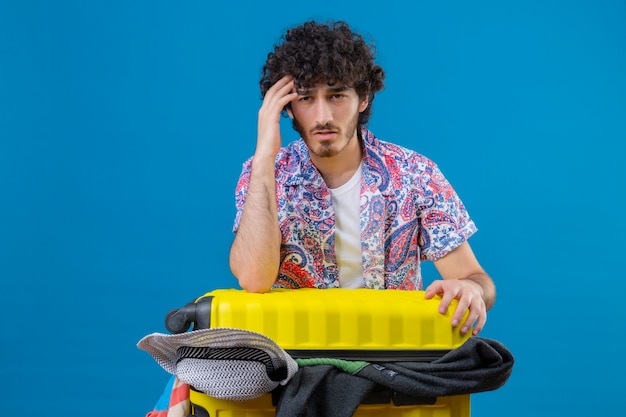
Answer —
174 401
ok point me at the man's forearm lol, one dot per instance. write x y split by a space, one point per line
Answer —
255 253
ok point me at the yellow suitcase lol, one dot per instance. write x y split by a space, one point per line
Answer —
351 324
204 406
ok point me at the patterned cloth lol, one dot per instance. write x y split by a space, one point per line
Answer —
174 401
409 213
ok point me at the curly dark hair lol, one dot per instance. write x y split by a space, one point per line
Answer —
330 53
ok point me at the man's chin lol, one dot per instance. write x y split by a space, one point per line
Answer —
326 150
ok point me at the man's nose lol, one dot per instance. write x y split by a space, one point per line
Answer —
323 113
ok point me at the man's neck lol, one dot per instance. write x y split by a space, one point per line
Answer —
338 169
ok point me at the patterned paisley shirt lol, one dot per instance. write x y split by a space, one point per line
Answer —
409 213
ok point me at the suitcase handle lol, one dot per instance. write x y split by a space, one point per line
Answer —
197 312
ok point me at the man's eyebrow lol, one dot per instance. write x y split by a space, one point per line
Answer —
308 91
305 91
338 89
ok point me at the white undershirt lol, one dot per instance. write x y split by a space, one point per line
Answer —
346 201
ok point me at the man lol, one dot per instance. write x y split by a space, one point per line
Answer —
339 207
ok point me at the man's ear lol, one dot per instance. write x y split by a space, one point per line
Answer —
363 105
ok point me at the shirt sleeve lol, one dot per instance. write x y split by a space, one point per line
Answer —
241 191
444 221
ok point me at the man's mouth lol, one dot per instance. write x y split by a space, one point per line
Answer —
324 134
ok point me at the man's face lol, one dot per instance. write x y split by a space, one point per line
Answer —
326 117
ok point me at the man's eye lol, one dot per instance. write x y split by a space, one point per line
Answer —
337 96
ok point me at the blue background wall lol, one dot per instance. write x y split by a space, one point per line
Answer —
123 126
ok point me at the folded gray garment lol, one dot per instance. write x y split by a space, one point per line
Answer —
323 390
478 365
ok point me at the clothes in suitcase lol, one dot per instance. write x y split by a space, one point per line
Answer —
372 326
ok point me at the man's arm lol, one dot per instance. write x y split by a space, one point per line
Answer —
255 252
465 280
